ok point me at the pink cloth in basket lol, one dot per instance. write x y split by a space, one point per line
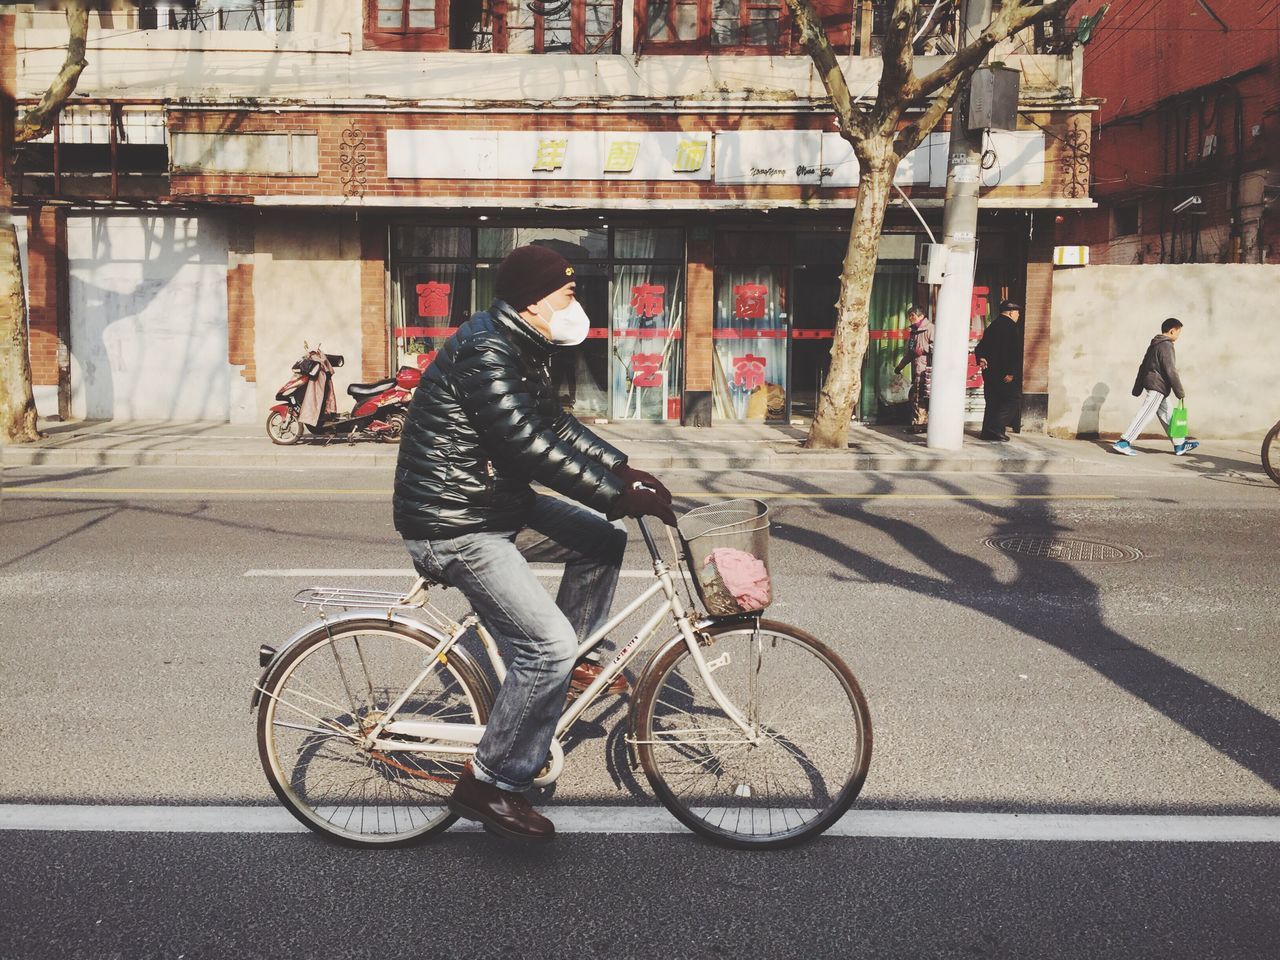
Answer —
743 575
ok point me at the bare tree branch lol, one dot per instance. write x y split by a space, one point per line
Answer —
40 119
1012 18
913 134
898 57
853 122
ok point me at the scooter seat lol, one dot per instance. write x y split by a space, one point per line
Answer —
370 389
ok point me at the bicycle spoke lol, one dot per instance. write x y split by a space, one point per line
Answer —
766 790
327 776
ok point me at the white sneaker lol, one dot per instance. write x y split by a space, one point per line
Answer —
1123 446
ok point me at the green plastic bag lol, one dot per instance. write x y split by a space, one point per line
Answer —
1178 422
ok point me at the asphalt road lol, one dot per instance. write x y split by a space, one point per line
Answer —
997 682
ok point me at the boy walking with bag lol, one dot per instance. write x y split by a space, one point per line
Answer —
1157 379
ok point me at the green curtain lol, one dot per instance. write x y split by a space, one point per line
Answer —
892 293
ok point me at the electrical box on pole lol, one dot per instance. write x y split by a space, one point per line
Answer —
993 98
932 267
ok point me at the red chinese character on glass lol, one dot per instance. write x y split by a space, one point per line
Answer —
748 371
433 299
646 369
978 306
646 300
750 301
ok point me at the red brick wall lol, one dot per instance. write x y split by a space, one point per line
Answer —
1143 56
373 128
701 315
46 259
373 299
240 302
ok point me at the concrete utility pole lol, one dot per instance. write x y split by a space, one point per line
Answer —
960 235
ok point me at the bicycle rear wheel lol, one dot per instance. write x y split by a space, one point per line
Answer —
318 703
810 713
1271 453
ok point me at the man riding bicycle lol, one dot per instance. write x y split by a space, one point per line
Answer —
484 424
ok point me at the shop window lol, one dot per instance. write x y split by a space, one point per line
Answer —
575 26
749 363
745 26
629 280
648 324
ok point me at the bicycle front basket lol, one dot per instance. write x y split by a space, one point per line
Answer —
726 546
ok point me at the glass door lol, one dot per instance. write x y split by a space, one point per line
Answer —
749 376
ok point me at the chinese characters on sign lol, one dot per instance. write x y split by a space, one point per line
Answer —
550 154
647 300
750 301
690 156
748 371
433 299
646 369
622 156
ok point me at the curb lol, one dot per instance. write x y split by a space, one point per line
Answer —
771 461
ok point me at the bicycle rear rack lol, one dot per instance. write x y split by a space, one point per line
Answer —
347 598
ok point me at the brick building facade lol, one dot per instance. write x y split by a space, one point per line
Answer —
1186 146
354 184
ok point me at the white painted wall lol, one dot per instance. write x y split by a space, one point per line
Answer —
306 286
1105 316
149 318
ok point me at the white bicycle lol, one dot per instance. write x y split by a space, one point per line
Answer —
751 732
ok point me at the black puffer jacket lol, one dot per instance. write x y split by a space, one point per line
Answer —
483 424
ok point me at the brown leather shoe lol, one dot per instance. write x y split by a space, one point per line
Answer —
501 811
585 673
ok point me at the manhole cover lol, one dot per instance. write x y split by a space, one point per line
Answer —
1065 549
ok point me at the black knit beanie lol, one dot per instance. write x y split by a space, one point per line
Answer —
530 273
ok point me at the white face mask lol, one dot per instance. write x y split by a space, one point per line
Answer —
569 326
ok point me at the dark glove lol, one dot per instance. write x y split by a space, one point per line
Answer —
631 476
641 502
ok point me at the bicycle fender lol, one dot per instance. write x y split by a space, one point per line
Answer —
375 617
698 626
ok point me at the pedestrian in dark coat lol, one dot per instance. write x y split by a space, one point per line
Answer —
999 355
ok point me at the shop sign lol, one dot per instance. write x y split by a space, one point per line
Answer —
547 155
826 159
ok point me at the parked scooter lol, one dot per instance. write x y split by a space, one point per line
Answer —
309 403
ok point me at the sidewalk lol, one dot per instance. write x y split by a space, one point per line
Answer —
652 446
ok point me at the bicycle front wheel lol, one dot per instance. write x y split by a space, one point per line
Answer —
813 743
1271 454
319 703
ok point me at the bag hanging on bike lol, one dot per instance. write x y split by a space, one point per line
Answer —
1178 429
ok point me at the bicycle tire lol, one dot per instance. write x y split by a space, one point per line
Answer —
287 762
1271 454
664 695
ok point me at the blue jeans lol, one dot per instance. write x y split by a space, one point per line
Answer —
492 571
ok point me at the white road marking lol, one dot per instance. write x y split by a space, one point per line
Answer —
1105 828
393 573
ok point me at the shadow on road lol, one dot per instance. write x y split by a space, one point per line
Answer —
1223 721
